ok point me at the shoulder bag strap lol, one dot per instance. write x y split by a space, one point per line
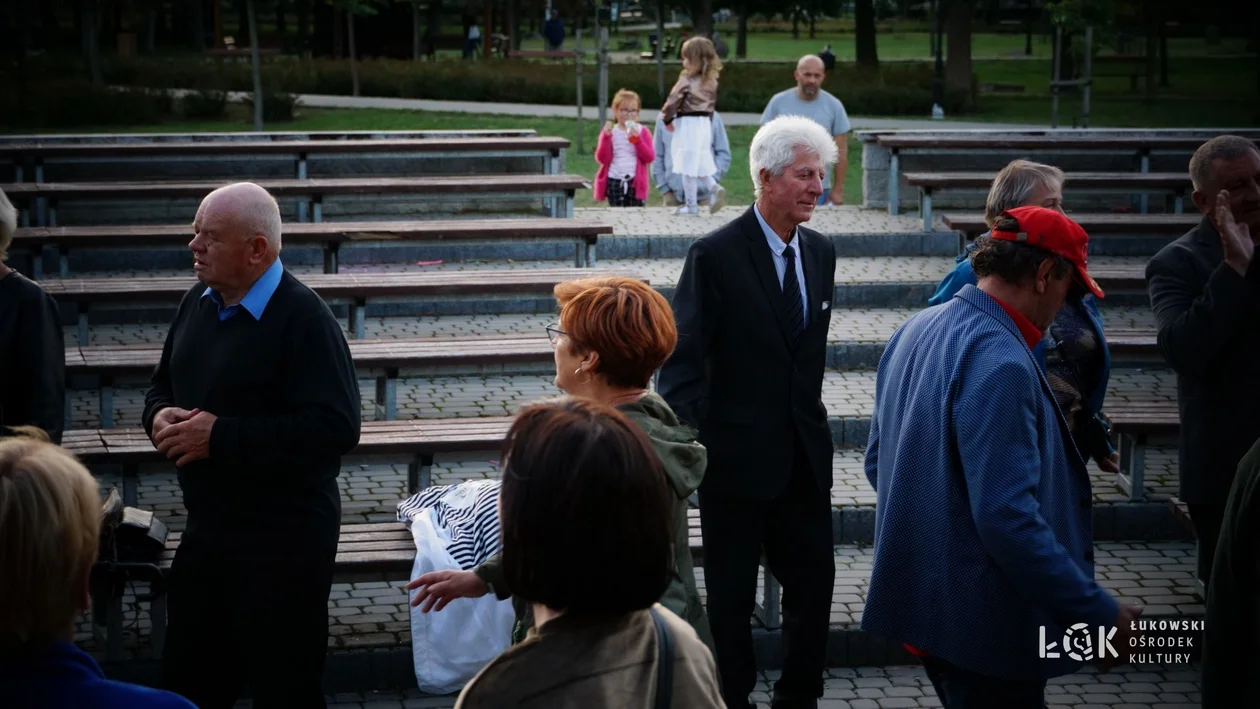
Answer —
664 663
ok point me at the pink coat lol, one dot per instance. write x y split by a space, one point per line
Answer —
604 156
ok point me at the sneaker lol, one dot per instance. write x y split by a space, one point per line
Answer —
686 211
718 200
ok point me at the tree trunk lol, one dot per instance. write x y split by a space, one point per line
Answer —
150 30
796 22
281 25
338 35
514 28
196 24
958 45
415 31
242 28
660 49
303 23
1152 48
354 63
433 27
256 64
90 31
702 18
864 33
741 33
812 15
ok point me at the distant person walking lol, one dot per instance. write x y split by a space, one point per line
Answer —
470 44
809 99
553 31
690 104
624 152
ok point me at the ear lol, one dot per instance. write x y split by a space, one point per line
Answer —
590 361
1045 273
258 247
765 178
1204 201
82 587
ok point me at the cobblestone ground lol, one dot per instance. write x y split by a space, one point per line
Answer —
661 271
907 687
845 393
828 220
847 325
1156 575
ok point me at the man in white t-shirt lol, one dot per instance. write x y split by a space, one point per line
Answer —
809 99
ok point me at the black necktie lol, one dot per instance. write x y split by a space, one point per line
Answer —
792 293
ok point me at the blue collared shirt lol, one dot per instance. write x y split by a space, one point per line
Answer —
255 301
777 247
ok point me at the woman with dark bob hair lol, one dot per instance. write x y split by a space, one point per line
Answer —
612 335
586 515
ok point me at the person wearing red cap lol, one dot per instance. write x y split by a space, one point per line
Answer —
968 442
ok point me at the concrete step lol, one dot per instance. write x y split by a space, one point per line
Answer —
375 615
1168 686
371 491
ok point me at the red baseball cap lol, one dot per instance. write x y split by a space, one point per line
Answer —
1054 232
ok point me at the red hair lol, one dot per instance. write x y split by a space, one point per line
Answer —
628 323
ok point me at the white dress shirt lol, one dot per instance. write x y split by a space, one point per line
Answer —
777 247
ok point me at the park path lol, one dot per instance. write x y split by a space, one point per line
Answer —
592 112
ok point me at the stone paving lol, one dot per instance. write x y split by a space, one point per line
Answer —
662 221
1156 575
907 687
847 325
846 394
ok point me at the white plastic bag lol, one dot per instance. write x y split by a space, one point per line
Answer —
451 645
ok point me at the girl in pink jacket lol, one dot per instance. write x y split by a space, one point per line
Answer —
624 153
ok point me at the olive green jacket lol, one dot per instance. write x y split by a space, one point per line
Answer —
684 460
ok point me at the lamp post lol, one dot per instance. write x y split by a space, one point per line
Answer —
938 81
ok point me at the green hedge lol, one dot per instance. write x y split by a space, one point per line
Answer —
895 89
64 103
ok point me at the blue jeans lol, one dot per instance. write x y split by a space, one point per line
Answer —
826 197
963 689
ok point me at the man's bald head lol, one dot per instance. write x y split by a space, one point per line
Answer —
809 75
810 61
249 208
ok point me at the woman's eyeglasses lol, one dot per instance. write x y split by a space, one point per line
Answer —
554 332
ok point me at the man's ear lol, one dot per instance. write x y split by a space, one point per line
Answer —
1205 202
258 247
1045 273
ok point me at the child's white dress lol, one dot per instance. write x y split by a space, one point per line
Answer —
691 150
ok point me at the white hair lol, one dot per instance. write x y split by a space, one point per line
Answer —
8 224
775 146
255 209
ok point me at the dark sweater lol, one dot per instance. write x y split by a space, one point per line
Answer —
32 358
287 401
65 677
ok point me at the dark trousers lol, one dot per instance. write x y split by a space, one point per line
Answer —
795 531
1207 527
257 622
963 689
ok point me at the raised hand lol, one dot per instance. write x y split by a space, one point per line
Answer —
1235 237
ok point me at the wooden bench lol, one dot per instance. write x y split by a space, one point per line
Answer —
1175 182
330 235
969 225
541 54
1136 347
1141 147
1133 425
354 290
557 191
34 154
381 360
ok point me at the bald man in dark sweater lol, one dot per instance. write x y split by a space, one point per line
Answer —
256 400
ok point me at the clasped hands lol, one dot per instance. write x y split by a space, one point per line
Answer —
182 435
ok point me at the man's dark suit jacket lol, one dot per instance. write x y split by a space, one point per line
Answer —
1209 332
734 375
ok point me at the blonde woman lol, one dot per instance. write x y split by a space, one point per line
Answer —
50 516
687 113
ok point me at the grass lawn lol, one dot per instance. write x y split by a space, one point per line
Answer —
737 181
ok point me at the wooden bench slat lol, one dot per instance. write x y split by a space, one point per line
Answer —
1096 180
1093 224
520 144
1035 142
324 186
325 232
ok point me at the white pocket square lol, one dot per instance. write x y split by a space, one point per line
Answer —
826 304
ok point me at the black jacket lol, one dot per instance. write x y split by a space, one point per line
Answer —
734 376
32 358
1209 332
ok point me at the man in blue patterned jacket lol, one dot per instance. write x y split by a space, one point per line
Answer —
983 521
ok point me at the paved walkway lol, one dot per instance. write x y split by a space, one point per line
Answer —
907 687
592 112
